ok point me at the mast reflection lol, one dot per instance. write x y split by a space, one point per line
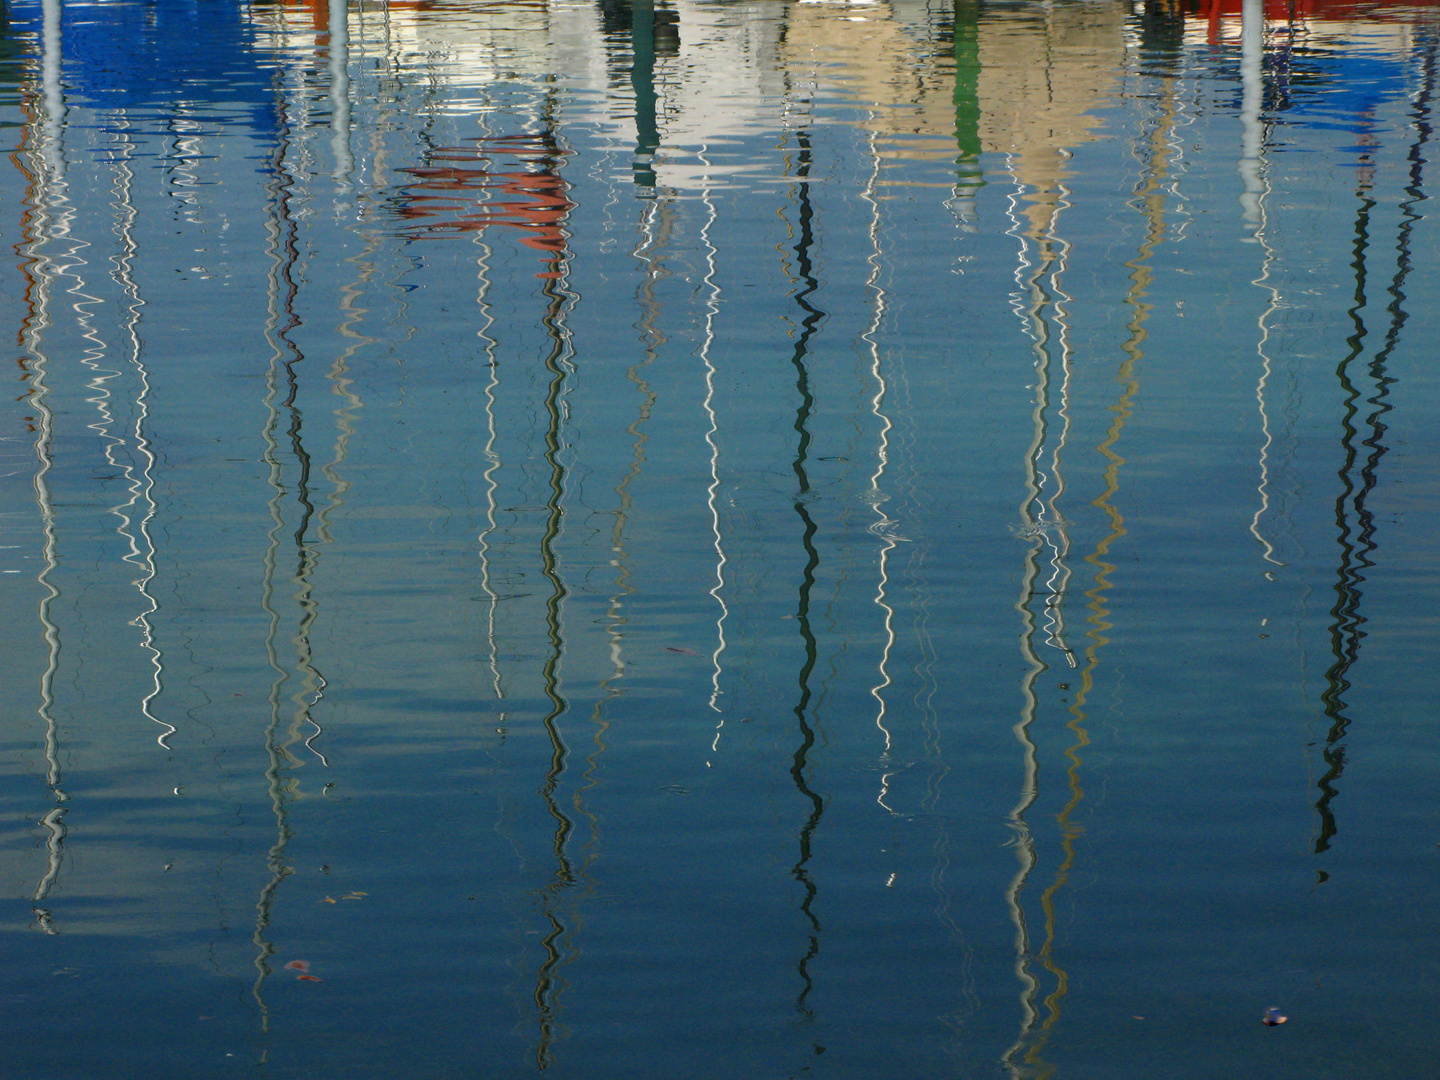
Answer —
799 763
1359 470
46 228
1026 1054
558 362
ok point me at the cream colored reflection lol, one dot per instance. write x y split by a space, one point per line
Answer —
1160 150
1043 70
1040 300
1390 33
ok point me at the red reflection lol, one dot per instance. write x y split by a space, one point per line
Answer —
1283 11
472 193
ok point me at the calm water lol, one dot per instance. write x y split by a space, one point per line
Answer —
719 539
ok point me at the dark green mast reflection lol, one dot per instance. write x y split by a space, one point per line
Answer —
799 764
969 175
549 983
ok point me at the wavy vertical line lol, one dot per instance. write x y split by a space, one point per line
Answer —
883 526
1029 302
140 484
1254 174
799 765
1347 626
1149 200
282 251
558 363
45 224
712 311
488 475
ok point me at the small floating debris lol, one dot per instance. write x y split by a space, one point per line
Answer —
1272 1017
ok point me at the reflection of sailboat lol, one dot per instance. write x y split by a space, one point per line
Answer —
1026 1053
1359 469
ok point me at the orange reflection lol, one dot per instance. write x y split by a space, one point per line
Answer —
467 194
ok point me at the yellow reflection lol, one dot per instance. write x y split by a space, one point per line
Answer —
1035 1031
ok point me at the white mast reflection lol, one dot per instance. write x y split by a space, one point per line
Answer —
492 464
1252 94
51 215
883 526
1255 212
138 512
712 309
339 65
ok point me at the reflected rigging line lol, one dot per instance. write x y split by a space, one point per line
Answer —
492 456
1254 173
712 310
492 460
883 526
141 487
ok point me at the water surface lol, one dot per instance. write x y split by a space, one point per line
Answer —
698 539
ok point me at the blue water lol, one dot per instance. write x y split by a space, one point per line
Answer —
857 540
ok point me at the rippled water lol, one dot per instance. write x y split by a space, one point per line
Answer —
701 539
